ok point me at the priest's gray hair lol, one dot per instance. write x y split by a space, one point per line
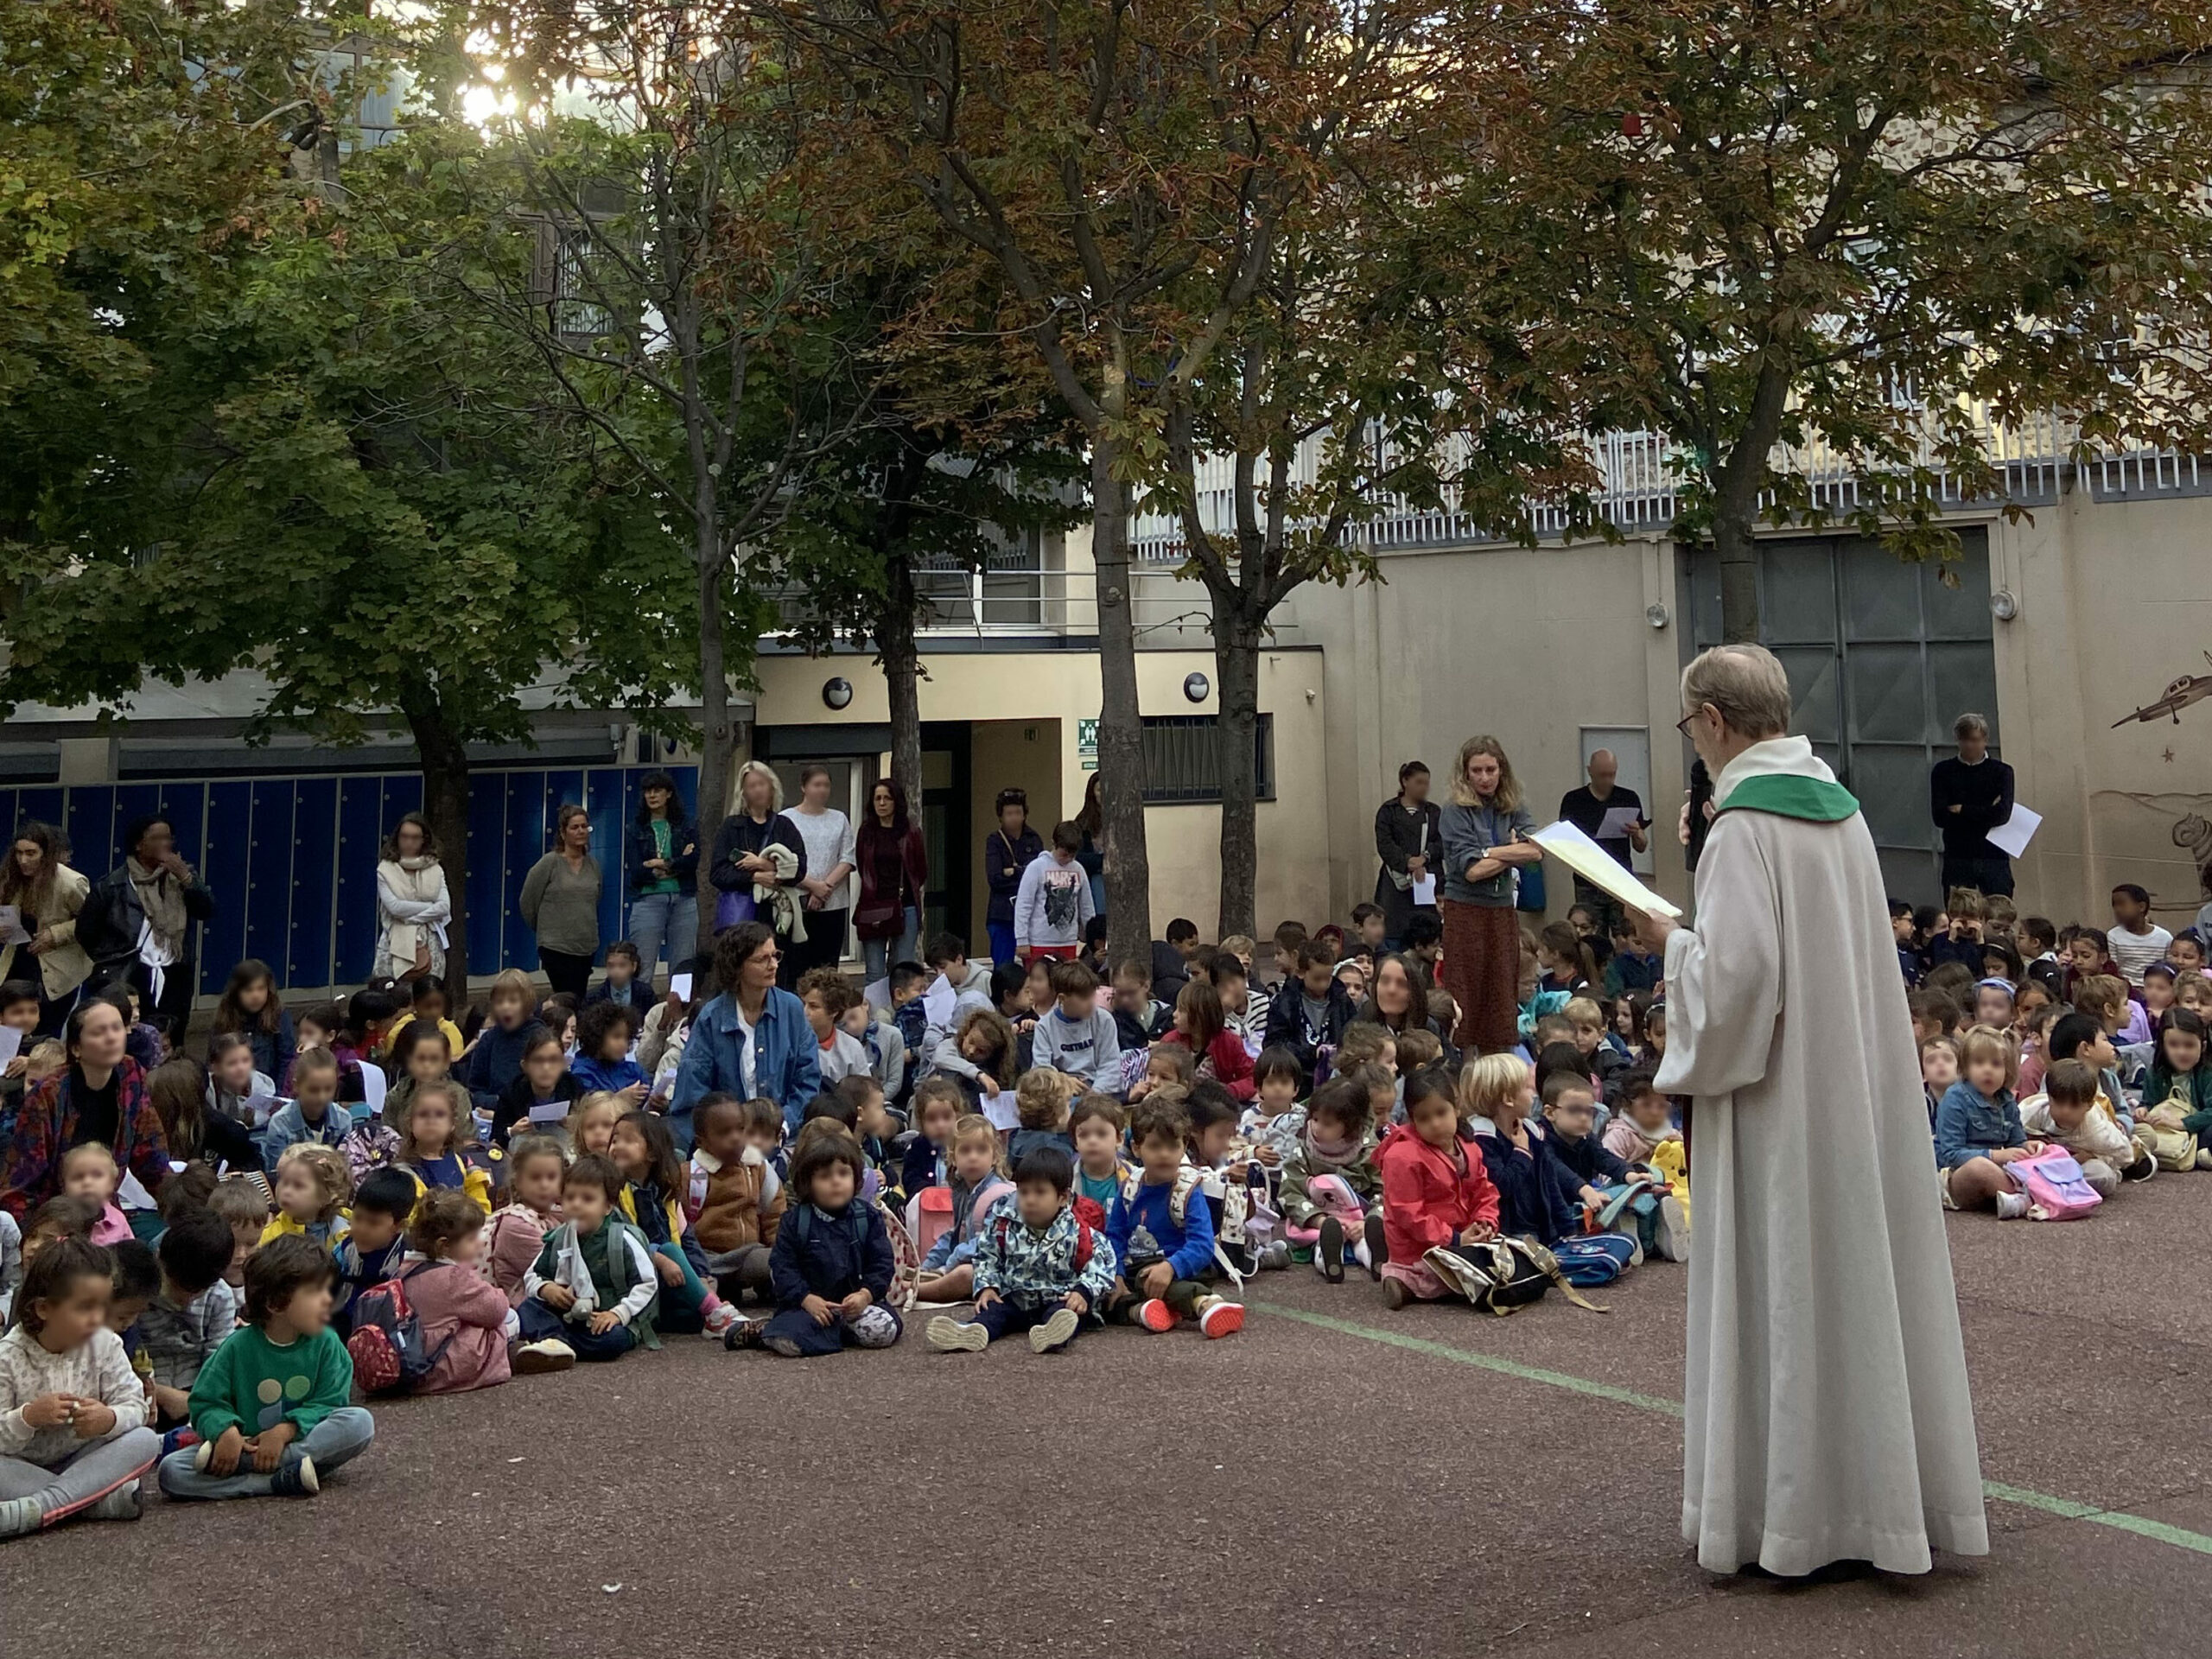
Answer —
1746 683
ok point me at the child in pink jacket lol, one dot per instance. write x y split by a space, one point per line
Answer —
535 1166
466 1319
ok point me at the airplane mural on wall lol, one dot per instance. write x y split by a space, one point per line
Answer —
2188 689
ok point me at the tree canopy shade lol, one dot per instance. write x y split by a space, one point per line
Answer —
1786 235
361 491
1129 173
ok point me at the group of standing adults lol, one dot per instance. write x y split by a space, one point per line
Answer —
134 925
1464 860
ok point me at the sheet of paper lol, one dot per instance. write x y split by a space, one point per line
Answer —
1618 822
938 1001
261 1106
2016 832
679 986
1002 1110
548 1111
11 925
372 1086
1598 867
1424 890
11 1044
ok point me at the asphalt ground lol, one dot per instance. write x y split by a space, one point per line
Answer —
1337 1479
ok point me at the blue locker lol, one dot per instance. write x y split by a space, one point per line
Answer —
269 873
185 804
87 819
361 826
47 803
315 860
487 818
129 804
230 826
605 799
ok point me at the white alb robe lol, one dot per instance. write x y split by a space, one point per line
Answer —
1826 1411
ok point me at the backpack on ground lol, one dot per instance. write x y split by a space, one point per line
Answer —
389 1354
1597 1258
1505 1274
2056 1189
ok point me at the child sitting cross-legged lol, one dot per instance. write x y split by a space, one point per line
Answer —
655 1185
1274 1120
1497 1094
938 1105
2065 1115
1037 1267
736 1198
1570 1118
590 1294
1978 1129
1161 1233
605 1031
192 1312
832 1264
1330 1193
948 1269
74 1440
1643 1122
284 1375
516 1233
312 1188
1436 1192
437 1143
466 1320
1075 1035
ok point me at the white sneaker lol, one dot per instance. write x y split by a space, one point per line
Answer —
1670 1231
949 1336
536 1358
1054 1330
2010 1206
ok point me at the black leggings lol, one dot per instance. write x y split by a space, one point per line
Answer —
564 972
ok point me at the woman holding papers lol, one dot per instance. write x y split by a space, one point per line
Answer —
47 895
1409 839
1485 834
1826 1415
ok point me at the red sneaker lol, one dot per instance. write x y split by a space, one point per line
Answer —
1157 1317
1222 1320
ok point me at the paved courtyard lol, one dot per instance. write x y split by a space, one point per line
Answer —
1337 1480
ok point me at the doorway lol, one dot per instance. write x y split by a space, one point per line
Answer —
947 828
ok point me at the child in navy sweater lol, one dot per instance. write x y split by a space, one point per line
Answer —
832 1265
1162 1234
604 1033
1496 1094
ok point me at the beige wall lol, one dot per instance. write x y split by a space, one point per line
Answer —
2115 603
1008 694
1527 645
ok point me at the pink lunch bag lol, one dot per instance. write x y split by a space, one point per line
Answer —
2055 1187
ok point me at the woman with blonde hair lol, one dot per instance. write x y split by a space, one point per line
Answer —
1484 828
560 903
742 858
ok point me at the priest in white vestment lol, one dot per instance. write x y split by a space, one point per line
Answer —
1826 1413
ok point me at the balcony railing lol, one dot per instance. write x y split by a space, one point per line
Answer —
1030 601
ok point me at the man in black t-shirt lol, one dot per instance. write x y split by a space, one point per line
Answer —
1587 809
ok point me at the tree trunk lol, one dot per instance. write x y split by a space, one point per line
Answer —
1733 541
1236 670
719 741
445 808
902 678
1121 726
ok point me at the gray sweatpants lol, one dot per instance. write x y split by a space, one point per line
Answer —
83 1478
2100 1175
742 1269
337 1438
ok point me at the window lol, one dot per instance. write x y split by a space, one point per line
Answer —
1182 758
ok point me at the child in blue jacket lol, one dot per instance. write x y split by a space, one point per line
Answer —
1162 1233
832 1265
1977 1128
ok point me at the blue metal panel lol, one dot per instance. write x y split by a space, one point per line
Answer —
268 874
131 803
315 858
361 826
608 802
47 803
230 824
87 818
11 813
186 806
487 818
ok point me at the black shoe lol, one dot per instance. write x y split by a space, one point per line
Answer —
746 1333
1329 1253
1378 1248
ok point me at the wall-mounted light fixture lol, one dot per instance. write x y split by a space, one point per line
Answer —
1657 615
1196 687
2003 606
838 692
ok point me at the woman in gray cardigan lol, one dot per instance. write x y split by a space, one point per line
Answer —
1485 829
560 903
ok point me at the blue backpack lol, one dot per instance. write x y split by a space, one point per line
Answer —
387 1348
1596 1258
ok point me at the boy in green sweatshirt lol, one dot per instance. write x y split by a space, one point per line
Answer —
269 1404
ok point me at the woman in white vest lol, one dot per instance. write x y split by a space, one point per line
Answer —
412 904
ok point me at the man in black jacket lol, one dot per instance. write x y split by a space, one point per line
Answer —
1968 796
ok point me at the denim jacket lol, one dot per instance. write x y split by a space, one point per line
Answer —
786 1058
1967 1125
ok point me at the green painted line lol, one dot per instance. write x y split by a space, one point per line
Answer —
2069 1509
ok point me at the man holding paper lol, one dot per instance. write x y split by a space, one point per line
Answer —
1826 1415
1614 817
1969 795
